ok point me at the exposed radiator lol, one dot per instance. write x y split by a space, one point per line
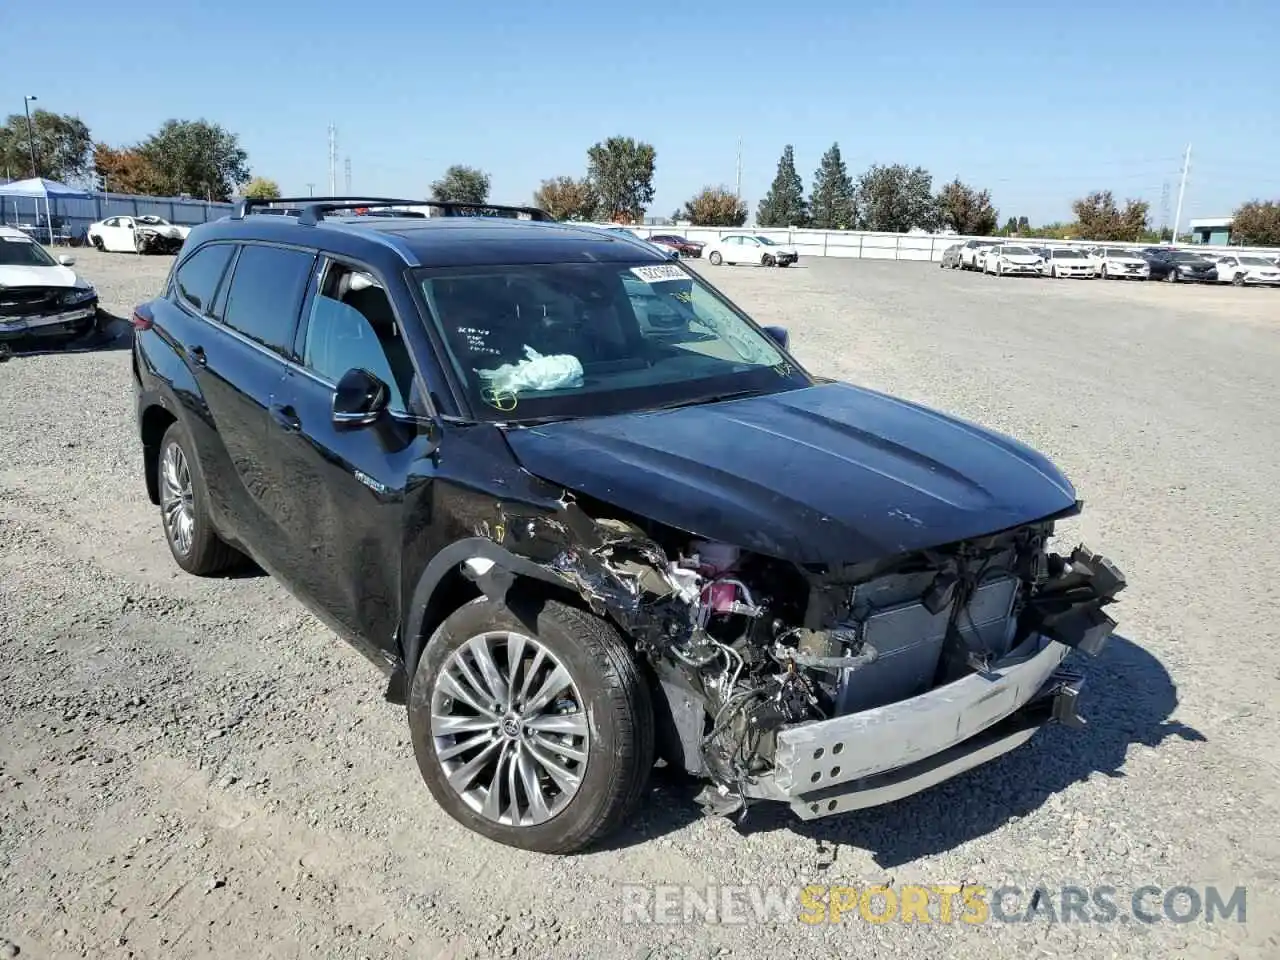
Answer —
909 640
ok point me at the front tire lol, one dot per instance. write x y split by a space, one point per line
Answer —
767 260
98 244
531 723
1238 280
184 508
715 259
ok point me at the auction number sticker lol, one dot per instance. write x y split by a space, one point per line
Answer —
659 273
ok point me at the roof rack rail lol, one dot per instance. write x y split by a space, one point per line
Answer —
314 210
250 204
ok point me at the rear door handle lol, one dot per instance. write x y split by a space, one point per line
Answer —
286 417
197 354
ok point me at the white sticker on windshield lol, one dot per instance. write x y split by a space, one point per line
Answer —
659 273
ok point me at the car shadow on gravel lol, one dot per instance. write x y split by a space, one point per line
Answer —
113 333
1128 699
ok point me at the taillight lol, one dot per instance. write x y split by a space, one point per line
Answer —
142 319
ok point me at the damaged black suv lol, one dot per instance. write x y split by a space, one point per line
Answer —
587 514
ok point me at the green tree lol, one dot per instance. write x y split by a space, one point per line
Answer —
832 205
1099 218
566 198
196 157
1257 224
784 205
715 207
620 170
966 210
260 188
63 146
462 184
896 198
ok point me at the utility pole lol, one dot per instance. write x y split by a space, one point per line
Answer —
1164 207
347 173
738 181
333 161
31 137
1182 189
311 189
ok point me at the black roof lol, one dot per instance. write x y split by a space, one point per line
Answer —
440 241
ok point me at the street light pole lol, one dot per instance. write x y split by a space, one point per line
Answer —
31 139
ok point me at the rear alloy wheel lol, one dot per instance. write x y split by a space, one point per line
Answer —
715 259
184 511
531 723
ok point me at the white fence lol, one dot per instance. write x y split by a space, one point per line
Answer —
860 245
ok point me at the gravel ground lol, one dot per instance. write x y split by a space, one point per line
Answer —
199 768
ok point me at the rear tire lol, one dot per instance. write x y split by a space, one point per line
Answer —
602 698
184 508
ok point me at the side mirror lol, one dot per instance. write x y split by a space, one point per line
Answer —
128 226
67 261
778 335
359 399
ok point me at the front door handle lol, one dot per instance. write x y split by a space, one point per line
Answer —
197 355
286 417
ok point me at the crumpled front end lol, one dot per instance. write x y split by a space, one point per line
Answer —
833 687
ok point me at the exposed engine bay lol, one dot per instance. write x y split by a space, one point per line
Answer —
744 646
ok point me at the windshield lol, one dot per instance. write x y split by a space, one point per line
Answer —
1188 257
589 339
23 252
1257 262
1067 255
1117 252
1016 251
154 221
766 241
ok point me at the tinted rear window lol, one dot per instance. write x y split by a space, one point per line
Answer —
197 278
266 294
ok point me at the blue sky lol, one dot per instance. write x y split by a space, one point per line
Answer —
1038 102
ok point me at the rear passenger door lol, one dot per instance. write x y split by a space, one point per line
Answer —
344 520
239 364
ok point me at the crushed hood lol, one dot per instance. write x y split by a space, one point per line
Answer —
37 277
825 474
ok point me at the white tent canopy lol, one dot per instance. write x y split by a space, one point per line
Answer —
37 189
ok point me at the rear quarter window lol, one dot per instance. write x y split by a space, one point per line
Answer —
266 294
196 280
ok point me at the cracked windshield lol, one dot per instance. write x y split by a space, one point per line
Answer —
565 340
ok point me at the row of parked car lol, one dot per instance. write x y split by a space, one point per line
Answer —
1109 262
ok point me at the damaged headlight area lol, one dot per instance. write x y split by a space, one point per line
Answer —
845 685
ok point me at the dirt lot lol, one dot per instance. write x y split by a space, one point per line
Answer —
198 768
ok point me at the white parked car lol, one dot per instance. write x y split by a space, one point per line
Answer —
1117 263
1066 262
41 297
1248 269
141 234
1012 258
972 252
749 248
